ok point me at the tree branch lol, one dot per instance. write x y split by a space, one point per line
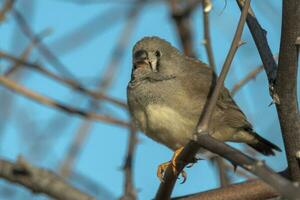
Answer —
52 103
129 190
260 38
207 5
68 82
248 190
40 180
7 6
286 85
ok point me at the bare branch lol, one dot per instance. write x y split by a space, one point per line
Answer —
261 42
129 190
286 85
39 180
7 6
249 190
250 76
207 5
181 17
52 103
68 82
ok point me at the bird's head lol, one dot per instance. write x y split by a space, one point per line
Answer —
154 55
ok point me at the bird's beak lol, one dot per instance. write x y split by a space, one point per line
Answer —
141 59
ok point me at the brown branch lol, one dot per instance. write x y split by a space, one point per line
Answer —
68 82
286 85
224 180
260 38
26 52
203 139
43 49
250 76
103 85
207 40
39 180
181 17
7 6
52 103
129 190
249 190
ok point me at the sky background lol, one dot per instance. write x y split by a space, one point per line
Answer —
25 127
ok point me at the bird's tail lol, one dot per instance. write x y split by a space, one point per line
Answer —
264 146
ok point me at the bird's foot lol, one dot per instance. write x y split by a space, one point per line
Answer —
162 167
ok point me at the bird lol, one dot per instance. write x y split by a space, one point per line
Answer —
167 94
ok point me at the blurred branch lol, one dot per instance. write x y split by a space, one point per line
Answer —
26 52
129 190
250 76
286 85
181 16
203 139
260 38
103 84
248 190
70 83
7 6
39 180
52 103
224 180
207 6
45 51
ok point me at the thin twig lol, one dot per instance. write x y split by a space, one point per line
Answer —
7 6
103 85
45 51
40 180
250 76
52 103
68 82
129 190
207 40
26 52
181 17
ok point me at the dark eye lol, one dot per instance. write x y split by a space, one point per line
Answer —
157 54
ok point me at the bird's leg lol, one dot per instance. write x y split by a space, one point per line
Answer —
162 167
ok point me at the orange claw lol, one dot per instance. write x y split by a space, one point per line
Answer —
162 167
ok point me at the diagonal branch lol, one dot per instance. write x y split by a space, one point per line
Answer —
248 190
39 180
52 103
70 83
260 38
7 6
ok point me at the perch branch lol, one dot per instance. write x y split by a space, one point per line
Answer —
39 180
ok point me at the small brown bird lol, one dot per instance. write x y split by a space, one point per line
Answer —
167 94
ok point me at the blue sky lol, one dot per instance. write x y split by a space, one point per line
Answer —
102 156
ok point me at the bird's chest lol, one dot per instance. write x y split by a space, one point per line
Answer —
164 124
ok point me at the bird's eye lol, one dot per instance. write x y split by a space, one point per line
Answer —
157 54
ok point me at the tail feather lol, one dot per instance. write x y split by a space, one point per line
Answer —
264 146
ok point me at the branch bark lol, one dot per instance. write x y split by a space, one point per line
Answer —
40 180
52 103
286 85
249 190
